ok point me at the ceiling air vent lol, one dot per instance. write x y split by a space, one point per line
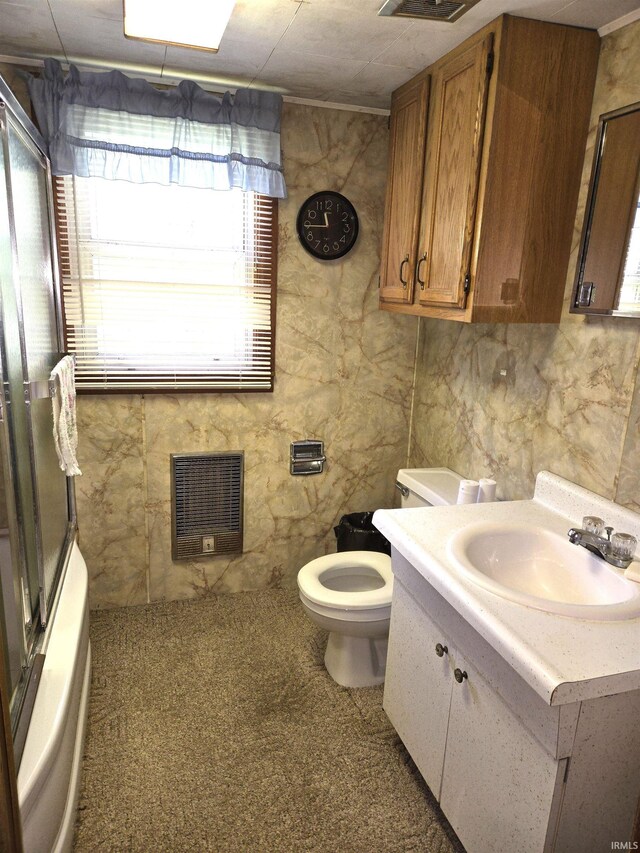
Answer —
428 10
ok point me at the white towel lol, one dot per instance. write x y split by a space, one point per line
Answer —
65 431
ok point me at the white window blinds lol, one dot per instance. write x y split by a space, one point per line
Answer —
167 288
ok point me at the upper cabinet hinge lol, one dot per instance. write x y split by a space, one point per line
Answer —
378 282
490 64
467 283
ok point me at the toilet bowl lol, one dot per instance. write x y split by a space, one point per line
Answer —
349 595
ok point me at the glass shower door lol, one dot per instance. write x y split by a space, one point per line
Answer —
38 506
18 551
38 313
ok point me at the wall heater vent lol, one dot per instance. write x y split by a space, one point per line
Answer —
428 10
206 504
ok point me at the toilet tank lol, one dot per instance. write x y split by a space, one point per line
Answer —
427 486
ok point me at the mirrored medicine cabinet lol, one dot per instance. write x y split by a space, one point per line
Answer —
608 272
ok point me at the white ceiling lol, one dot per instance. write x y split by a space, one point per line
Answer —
328 50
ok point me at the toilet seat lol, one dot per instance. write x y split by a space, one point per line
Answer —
311 585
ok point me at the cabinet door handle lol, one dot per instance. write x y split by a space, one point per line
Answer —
420 262
460 675
402 263
441 650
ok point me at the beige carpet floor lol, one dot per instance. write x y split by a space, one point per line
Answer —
213 726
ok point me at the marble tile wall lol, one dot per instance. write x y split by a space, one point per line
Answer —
570 400
569 403
344 373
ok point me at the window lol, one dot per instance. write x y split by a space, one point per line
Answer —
167 288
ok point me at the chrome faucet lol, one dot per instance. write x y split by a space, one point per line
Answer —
618 549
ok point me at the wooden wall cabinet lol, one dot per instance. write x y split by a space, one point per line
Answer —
408 128
481 203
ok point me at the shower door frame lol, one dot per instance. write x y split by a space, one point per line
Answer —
10 825
8 101
12 114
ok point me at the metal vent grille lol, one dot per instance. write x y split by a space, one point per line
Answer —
206 504
430 10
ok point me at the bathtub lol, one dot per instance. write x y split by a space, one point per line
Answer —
49 774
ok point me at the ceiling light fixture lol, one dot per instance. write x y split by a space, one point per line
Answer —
188 23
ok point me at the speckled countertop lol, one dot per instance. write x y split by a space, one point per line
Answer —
563 659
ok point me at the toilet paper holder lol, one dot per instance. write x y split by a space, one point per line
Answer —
307 457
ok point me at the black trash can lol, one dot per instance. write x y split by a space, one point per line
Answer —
356 532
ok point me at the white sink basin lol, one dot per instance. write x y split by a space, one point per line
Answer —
542 569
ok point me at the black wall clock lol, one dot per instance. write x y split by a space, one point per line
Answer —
327 225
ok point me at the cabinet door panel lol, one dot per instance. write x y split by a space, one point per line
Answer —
495 767
417 688
454 148
404 191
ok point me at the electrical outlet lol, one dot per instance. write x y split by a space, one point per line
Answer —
208 544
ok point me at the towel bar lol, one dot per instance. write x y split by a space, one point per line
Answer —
40 389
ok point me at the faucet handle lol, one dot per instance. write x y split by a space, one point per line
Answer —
593 524
623 546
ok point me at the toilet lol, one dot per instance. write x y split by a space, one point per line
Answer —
349 593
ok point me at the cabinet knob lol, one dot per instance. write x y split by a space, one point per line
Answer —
441 650
402 263
421 282
460 675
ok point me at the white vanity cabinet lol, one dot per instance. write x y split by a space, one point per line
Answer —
509 771
494 781
494 766
417 689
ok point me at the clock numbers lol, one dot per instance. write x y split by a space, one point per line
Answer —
327 225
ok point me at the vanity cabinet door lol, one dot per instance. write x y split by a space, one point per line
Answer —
417 689
494 766
404 191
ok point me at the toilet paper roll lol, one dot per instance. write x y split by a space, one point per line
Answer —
468 492
487 490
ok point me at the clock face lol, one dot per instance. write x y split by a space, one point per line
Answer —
327 225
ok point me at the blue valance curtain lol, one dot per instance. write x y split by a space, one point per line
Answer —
111 126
